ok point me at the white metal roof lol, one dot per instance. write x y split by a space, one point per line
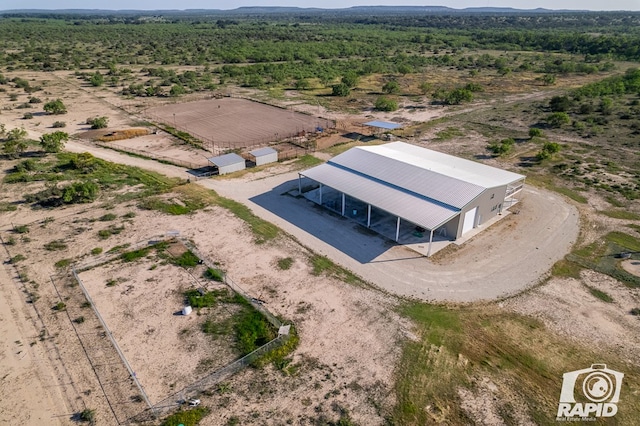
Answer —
423 186
261 152
445 164
407 175
226 160
410 206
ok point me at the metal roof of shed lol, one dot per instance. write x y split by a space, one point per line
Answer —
383 125
445 164
226 160
261 152
423 186
402 175
410 206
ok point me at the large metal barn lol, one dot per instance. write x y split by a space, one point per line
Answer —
410 193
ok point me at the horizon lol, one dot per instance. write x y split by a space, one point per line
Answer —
186 5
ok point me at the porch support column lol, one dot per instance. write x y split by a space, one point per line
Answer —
343 204
368 215
299 184
430 241
398 229
320 194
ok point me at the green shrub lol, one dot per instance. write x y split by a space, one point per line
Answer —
129 215
285 263
60 306
98 122
10 241
59 125
107 217
79 320
252 331
55 245
214 274
17 258
87 415
535 133
7 207
189 417
21 229
96 251
197 300
63 263
385 104
186 260
599 294
130 256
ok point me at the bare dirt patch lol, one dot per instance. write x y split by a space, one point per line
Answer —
234 123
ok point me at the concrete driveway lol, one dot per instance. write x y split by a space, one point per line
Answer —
509 256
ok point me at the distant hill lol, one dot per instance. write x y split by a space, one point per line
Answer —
264 10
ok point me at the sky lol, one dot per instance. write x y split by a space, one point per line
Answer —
597 5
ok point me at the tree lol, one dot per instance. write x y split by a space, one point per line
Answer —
341 89
557 119
97 79
55 107
391 87
14 142
560 103
80 192
15 134
177 90
350 79
303 84
14 148
547 79
53 142
98 122
547 151
386 104
458 96
501 148
606 106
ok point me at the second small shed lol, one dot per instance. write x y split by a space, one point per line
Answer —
264 156
228 163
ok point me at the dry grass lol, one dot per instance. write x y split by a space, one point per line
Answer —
118 135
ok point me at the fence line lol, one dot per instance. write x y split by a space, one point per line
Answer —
113 341
151 155
201 385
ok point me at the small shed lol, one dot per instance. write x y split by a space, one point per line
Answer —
264 156
228 163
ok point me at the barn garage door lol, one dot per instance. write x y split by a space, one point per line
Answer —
469 218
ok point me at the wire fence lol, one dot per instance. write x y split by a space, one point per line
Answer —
153 156
218 146
204 384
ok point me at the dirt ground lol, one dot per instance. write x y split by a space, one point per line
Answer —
47 378
234 123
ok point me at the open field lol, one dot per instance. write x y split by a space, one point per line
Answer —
480 333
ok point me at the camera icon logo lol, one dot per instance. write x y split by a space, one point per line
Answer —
590 392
